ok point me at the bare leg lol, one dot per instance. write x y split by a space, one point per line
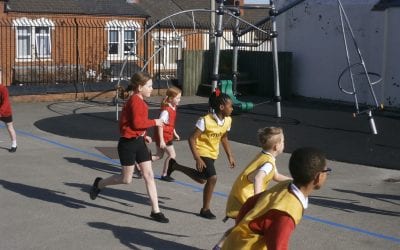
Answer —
192 173
148 177
124 178
11 132
159 155
208 191
171 154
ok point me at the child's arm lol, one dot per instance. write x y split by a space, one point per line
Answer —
200 165
177 137
228 151
160 131
280 177
258 181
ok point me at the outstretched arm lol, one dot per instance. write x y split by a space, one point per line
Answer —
228 151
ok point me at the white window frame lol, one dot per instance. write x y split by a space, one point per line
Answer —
32 26
169 43
121 27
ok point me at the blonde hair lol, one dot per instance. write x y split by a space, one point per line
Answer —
269 136
139 79
172 92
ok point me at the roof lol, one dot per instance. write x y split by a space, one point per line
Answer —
83 7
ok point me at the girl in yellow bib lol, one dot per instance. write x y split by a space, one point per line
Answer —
257 175
210 130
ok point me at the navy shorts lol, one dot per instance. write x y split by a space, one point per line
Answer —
209 171
6 119
133 150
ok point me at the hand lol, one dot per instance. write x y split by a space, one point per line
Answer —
177 137
231 161
159 122
163 145
200 164
148 139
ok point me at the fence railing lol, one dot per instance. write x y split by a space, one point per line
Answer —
92 51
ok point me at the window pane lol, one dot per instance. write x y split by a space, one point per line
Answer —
24 42
113 36
173 55
113 42
129 37
42 42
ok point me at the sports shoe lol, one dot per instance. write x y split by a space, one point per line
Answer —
207 214
167 178
171 168
216 247
94 191
159 217
12 150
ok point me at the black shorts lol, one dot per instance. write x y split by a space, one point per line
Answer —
209 171
6 119
133 150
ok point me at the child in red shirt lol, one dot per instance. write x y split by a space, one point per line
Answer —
132 146
6 116
164 135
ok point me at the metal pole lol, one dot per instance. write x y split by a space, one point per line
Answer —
274 35
212 26
235 54
218 35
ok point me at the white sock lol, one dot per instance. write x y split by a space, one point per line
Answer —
14 144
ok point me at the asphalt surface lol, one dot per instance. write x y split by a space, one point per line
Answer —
63 146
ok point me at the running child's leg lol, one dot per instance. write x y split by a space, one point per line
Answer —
192 173
13 136
148 177
124 178
208 191
159 155
171 154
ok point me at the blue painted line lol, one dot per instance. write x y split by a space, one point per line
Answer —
354 229
199 189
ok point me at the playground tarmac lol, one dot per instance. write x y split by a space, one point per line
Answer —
63 146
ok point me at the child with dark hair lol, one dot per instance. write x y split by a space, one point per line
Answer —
267 220
132 148
6 116
210 130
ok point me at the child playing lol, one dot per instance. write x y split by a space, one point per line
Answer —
6 116
164 135
204 143
257 175
267 220
132 146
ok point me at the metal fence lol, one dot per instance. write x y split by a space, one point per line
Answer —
90 51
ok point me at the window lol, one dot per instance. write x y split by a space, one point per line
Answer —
121 39
33 38
168 51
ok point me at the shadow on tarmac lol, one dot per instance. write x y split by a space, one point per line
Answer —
137 238
349 206
326 126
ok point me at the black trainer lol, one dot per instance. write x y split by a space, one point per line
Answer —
94 191
171 168
159 217
12 150
167 178
207 214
